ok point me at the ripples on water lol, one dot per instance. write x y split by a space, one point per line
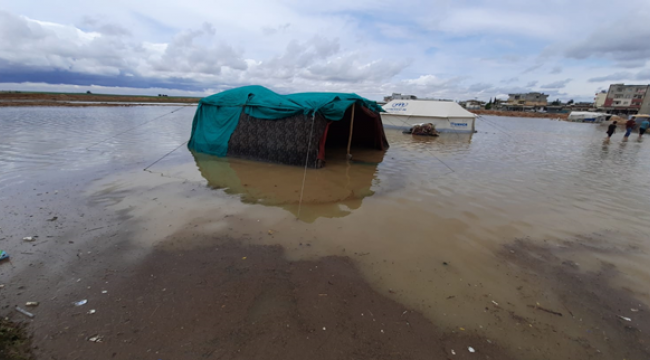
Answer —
73 138
515 161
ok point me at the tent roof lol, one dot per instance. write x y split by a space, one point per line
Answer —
440 109
217 116
263 103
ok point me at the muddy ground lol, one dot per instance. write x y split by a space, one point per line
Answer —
245 302
615 323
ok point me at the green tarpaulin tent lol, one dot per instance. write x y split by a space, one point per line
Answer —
255 122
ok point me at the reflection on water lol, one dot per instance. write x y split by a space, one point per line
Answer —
331 192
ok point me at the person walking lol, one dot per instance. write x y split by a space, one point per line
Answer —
629 126
644 127
611 129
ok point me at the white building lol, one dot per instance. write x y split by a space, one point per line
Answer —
599 99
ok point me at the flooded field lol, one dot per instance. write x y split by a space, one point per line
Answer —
531 234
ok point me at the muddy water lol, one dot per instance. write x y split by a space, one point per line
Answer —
425 222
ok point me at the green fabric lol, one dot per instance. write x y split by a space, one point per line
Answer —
217 116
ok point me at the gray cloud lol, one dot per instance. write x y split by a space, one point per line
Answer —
556 70
643 75
510 80
98 25
557 84
183 55
480 87
612 77
531 84
272 30
623 40
193 60
623 75
533 68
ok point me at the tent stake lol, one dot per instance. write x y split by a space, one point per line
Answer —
349 156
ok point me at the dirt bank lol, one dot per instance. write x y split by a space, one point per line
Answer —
243 302
520 114
44 99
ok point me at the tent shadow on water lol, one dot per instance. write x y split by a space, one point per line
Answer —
332 192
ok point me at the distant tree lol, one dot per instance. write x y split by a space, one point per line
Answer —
557 102
488 106
570 102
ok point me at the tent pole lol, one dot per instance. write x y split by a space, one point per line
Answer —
349 156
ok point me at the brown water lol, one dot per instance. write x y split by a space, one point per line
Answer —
426 221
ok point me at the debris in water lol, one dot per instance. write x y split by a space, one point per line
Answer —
461 329
24 312
471 349
445 263
104 291
538 307
495 303
53 218
31 303
244 258
3 255
270 232
80 302
324 328
28 238
634 310
96 339
92 311
625 318
453 352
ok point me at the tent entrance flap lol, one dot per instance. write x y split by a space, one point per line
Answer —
367 131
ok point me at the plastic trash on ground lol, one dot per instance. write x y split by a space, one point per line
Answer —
24 312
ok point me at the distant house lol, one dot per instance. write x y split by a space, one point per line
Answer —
599 99
528 99
88 92
472 104
398 96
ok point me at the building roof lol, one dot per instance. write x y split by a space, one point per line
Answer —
437 109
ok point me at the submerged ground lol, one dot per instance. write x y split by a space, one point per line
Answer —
526 240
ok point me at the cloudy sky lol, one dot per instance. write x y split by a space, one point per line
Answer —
453 49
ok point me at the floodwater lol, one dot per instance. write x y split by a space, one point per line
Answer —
426 221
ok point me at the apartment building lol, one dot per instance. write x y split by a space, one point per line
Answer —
625 99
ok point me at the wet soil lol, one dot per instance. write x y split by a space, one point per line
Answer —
15 343
230 301
615 325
